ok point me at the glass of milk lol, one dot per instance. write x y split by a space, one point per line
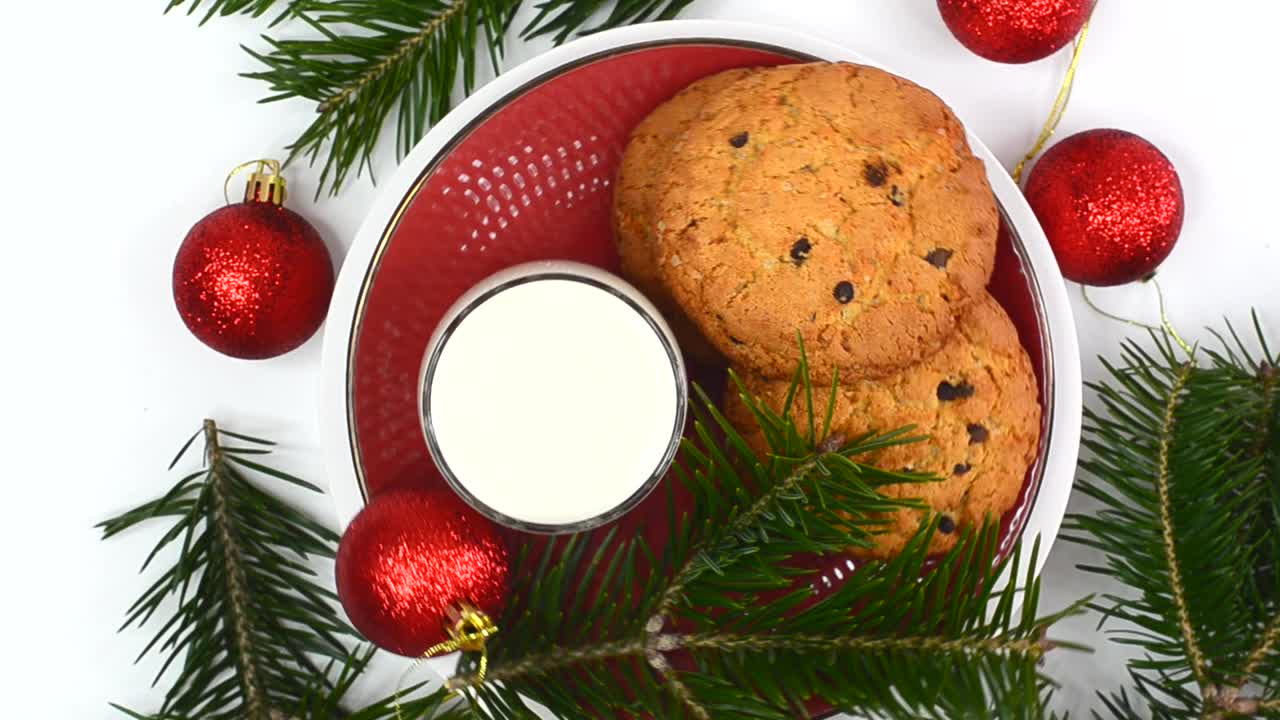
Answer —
553 397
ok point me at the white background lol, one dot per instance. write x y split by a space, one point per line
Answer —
120 124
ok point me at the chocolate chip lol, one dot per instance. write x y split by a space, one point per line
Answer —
844 292
739 140
946 525
977 434
876 174
800 250
961 469
897 197
939 258
948 392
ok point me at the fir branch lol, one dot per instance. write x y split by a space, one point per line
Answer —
406 48
1182 463
256 706
701 562
1176 587
998 649
549 661
1268 643
725 624
370 59
251 624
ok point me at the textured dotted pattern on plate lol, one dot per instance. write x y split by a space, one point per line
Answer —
532 181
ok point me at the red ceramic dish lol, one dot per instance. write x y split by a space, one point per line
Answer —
523 171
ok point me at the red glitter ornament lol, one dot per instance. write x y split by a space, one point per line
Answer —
409 558
253 280
1111 204
1015 31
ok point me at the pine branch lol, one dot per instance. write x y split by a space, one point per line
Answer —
726 624
238 612
370 59
1183 465
252 627
1176 586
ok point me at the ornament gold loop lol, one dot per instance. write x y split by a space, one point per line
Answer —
470 630
1166 325
266 183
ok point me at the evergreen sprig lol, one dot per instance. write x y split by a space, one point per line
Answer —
366 60
371 58
252 635
727 622
1186 464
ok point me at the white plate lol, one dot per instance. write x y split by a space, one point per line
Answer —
1063 427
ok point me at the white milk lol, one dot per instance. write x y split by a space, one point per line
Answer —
554 401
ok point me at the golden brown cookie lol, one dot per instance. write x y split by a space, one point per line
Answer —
641 179
834 200
977 402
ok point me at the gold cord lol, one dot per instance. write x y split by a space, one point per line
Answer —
1059 107
1165 325
273 165
469 632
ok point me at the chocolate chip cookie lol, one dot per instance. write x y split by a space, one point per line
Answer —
641 180
977 402
833 200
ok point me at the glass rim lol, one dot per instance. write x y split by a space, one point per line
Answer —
457 315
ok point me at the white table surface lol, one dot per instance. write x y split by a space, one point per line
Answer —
121 123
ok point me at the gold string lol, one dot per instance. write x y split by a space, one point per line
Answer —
1166 326
1059 106
274 165
469 632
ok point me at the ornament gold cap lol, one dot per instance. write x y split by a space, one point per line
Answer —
266 182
